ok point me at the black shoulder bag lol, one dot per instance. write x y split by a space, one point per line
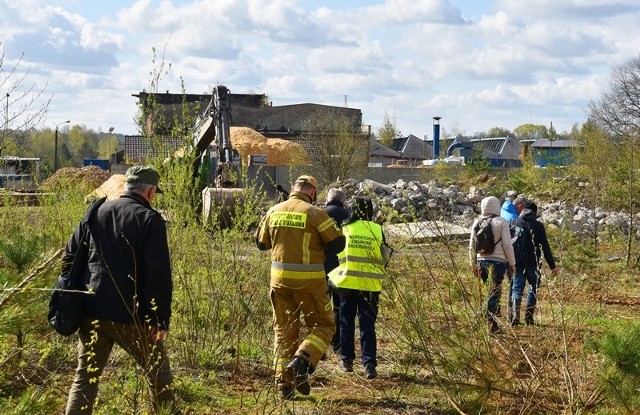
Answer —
65 306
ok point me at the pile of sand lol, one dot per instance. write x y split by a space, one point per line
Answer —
84 179
112 188
279 152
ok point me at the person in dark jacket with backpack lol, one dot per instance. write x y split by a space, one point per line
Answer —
490 264
528 263
282 194
336 210
129 273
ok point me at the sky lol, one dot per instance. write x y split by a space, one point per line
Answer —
478 64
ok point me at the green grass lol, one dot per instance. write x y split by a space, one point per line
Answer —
435 353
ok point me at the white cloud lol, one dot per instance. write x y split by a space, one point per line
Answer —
513 61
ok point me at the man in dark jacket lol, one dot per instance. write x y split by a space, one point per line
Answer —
336 210
282 194
129 272
528 268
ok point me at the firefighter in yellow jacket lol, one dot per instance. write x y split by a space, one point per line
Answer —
298 233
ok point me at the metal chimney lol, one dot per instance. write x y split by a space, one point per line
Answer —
436 138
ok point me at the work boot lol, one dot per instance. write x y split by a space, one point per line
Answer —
492 319
298 370
528 316
285 391
347 365
514 318
370 371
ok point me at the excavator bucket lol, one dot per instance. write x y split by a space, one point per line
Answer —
220 204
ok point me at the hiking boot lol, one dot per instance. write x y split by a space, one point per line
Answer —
493 325
285 392
298 370
515 313
528 316
347 365
370 372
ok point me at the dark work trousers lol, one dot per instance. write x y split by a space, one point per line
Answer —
364 304
493 273
335 341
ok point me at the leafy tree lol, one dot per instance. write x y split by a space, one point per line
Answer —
336 144
594 161
107 146
530 132
76 143
499 132
618 110
388 132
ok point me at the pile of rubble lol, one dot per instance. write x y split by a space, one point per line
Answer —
414 202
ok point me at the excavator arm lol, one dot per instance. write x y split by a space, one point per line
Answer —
214 126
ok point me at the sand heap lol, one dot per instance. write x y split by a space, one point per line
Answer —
84 179
279 152
112 188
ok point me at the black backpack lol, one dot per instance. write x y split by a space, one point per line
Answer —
65 306
521 240
483 236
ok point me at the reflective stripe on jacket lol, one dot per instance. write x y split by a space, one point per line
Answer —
297 234
361 265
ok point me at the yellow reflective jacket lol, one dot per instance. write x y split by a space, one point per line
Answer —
297 233
361 264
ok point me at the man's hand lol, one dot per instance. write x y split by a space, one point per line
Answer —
476 270
158 335
511 271
555 271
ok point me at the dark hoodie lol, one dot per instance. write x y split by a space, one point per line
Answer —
530 214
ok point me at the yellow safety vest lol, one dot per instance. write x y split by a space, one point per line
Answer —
361 265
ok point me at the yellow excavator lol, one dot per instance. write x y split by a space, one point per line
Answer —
212 132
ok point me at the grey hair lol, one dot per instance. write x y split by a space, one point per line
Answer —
520 200
336 194
137 187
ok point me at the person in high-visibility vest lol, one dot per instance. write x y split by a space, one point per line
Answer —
358 282
298 233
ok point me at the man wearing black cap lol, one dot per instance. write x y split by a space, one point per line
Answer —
298 233
129 273
530 270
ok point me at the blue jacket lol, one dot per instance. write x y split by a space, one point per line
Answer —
508 211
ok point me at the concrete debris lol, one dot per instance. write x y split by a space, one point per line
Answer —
420 203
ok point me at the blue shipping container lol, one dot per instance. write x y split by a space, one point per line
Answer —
102 163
